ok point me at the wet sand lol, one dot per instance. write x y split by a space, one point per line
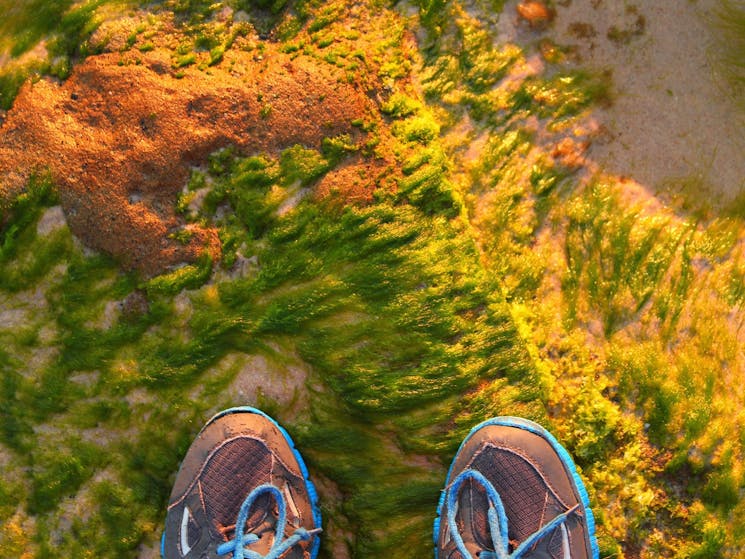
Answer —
673 120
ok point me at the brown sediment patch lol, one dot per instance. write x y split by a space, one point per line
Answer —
121 134
355 181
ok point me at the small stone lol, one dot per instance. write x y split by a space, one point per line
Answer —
536 13
570 153
135 305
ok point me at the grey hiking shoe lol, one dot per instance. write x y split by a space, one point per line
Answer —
242 491
513 492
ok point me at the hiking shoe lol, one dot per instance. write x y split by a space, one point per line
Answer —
513 492
242 491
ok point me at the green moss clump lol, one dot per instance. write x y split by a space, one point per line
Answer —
618 256
10 83
193 11
324 18
16 430
59 474
562 96
190 276
65 26
29 24
433 15
25 257
422 129
184 60
300 164
400 106
26 208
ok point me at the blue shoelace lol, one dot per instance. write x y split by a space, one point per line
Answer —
497 521
238 544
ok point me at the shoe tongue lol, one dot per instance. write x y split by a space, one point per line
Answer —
262 525
260 520
247 463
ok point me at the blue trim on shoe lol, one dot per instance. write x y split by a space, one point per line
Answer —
312 493
564 456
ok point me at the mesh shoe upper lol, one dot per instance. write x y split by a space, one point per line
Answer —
534 482
236 453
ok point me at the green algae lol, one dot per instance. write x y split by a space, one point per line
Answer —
621 256
27 23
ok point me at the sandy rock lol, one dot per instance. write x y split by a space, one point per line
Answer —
120 140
